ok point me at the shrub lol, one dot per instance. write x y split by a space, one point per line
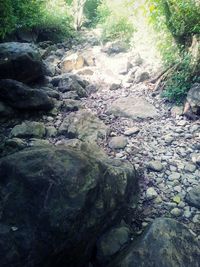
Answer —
117 28
180 81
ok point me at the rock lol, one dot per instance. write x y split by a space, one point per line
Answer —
86 71
5 110
176 212
112 242
141 76
168 139
51 131
174 176
16 143
115 86
35 142
151 193
131 131
72 62
71 105
190 167
56 203
177 111
155 166
132 107
193 98
22 97
118 142
50 92
193 197
83 125
69 83
21 62
29 129
165 243
114 48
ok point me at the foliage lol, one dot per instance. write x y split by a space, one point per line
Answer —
35 14
180 81
91 12
114 22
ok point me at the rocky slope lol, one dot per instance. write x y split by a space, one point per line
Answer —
73 125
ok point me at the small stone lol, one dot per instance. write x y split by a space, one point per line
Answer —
131 131
174 176
168 139
187 213
118 142
177 199
176 212
190 167
151 193
155 166
51 131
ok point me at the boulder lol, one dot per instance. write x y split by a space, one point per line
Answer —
21 62
70 83
193 98
72 62
132 107
165 243
29 129
83 125
22 97
5 110
56 202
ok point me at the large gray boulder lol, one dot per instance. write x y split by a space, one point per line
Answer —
22 97
56 201
193 98
166 243
21 62
132 107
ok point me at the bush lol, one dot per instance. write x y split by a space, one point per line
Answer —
35 15
117 29
179 83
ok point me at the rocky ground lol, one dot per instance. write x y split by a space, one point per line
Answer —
101 94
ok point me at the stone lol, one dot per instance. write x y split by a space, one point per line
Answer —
118 142
36 142
112 242
132 107
141 76
83 125
177 111
70 83
22 97
115 86
168 139
72 62
86 71
190 167
165 243
21 62
56 203
71 105
177 199
176 212
5 110
193 197
155 166
193 98
51 131
131 131
29 129
151 193
174 176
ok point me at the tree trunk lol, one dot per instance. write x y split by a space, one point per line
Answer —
78 6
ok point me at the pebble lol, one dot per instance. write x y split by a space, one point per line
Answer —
131 131
151 193
118 142
176 212
155 166
174 176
